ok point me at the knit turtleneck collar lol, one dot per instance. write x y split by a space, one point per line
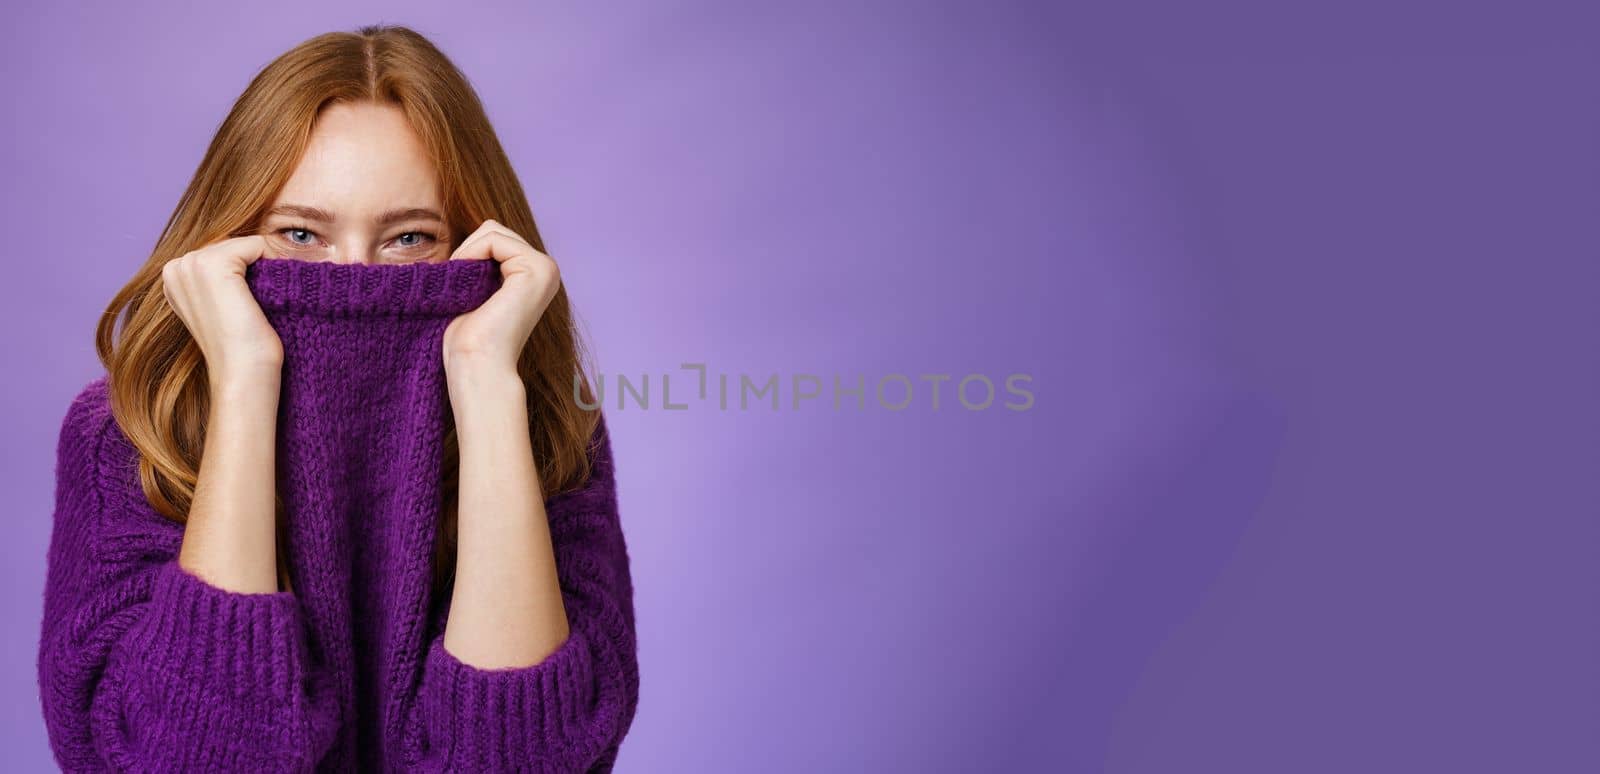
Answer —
363 407
324 289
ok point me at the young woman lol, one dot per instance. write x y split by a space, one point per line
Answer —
337 504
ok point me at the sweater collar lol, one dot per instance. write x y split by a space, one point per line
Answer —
284 285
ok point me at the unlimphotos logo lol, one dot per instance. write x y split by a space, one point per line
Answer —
893 392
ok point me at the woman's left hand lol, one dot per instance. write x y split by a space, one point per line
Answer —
494 334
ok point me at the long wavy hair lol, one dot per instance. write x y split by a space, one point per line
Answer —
159 385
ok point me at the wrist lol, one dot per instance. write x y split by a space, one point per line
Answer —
246 383
476 375
478 360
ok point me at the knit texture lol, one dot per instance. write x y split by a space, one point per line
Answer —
144 666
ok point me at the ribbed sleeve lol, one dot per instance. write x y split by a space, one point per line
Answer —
144 666
569 712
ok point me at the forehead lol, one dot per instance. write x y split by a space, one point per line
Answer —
362 159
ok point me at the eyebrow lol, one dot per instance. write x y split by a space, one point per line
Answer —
387 218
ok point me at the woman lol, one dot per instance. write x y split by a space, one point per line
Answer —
402 550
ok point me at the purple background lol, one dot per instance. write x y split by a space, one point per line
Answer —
1308 297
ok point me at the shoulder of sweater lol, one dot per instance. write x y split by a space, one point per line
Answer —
88 417
99 487
90 439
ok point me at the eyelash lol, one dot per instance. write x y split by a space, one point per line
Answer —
431 236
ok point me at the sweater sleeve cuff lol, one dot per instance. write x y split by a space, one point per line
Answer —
235 645
494 717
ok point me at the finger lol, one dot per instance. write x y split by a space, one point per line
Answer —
470 246
494 226
494 244
229 256
473 237
168 280
246 250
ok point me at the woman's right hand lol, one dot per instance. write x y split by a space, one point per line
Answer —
207 289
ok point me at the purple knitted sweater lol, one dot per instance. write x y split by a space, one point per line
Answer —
144 666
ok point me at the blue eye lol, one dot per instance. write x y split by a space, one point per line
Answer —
419 234
297 229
